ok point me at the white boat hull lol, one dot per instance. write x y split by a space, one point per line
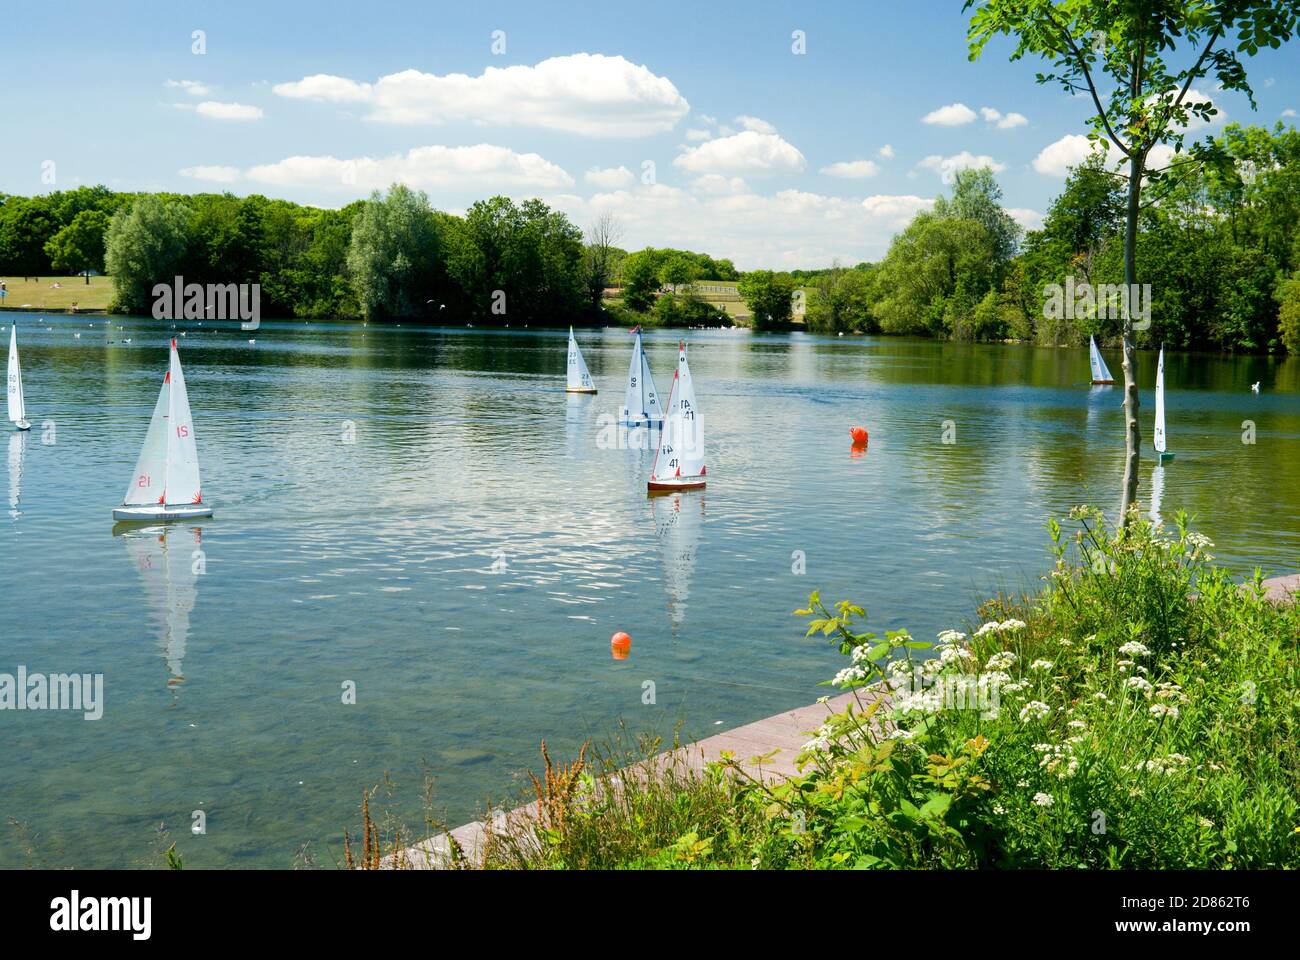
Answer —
22 425
675 483
154 512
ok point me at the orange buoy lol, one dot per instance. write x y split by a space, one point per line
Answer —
620 645
859 435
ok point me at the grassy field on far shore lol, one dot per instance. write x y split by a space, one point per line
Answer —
40 293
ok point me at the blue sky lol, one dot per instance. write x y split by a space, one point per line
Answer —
773 158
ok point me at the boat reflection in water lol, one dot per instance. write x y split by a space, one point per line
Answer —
678 518
169 559
17 449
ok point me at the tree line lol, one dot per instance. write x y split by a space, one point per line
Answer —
1219 247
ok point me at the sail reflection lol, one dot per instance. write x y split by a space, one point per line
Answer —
168 559
1157 493
678 518
17 449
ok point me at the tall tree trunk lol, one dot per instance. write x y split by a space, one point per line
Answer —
1133 431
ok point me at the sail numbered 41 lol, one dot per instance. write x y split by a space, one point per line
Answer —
679 462
165 484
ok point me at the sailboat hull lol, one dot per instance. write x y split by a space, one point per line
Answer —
1108 383
22 425
1166 457
675 483
154 512
579 389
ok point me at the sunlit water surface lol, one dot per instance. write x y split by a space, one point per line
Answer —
426 514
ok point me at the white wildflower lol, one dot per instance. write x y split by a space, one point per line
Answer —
1043 800
1163 710
1135 649
1034 709
1001 661
1041 665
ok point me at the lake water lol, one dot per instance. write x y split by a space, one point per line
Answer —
426 513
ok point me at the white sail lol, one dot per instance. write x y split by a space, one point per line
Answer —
641 405
17 406
149 479
1100 372
681 444
678 519
183 484
167 471
1160 403
579 379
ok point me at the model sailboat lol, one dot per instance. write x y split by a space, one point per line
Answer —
641 406
1100 372
17 405
1159 438
679 462
579 378
165 484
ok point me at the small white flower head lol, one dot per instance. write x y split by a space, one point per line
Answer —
1043 800
1135 649
823 699
952 637
1163 710
1077 725
1001 661
1034 710
1041 665
1008 625
999 809
849 675
1140 684
1065 642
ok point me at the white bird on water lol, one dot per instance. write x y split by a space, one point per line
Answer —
1254 387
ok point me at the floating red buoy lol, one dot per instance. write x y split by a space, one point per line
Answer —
620 645
859 435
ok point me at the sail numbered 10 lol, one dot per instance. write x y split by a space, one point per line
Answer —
641 405
165 484
679 461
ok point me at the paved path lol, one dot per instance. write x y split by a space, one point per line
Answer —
783 733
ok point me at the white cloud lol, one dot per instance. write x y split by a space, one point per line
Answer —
1055 159
1288 112
887 152
216 174
697 135
747 152
754 124
896 211
229 111
590 94
1003 121
1029 219
609 178
946 167
784 230
953 115
852 169
719 185
482 166
193 87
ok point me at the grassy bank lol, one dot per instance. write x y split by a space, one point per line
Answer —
1140 711
39 293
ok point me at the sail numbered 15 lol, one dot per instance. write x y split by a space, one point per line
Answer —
165 484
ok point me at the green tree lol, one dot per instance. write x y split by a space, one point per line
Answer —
840 302
80 245
1131 44
934 259
977 196
392 253
769 297
640 279
145 244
